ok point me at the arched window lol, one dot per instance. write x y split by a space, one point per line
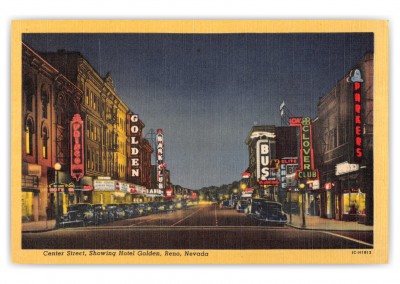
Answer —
45 138
88 160
45 103
29 131
29 94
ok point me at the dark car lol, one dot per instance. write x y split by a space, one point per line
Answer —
81 214
242 205
129 210
226 204
267 211
115 212
145 209
101 214
170 206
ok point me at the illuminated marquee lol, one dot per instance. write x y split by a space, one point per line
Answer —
307 170
160 159
263 159
77 147
135 160
358 132
266 175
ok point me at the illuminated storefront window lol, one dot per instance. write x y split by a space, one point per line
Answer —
354 203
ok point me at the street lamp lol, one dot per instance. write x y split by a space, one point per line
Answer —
290 205
303 205
57 168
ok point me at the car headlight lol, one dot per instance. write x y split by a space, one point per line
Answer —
88 214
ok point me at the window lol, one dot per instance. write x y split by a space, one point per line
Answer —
29 130
45 102
29 95
60 116
88 160
45 138
87 97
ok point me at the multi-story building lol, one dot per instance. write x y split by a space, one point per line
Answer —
104 115
267 146
344 146
138 157
50 101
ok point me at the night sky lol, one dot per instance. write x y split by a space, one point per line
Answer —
206 91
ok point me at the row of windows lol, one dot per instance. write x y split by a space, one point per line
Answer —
95 103
94 162
29 94
29 132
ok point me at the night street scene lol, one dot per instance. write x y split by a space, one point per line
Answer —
197 141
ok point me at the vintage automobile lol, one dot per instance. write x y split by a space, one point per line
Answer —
101 214
242 205
226 204
267 211
129 209
170 206
145 209
81 214
180 204
116 212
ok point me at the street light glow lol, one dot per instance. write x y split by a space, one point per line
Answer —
57 166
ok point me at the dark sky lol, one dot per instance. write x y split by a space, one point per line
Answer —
206 91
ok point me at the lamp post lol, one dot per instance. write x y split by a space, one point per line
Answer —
290 205
57 168
303 204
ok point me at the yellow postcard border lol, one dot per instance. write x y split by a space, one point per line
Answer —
381 193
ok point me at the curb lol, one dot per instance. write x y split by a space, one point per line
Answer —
39 231
325 230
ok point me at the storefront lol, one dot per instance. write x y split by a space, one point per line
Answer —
353 204
31 174
350 199
116 192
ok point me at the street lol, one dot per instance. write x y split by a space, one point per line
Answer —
199 227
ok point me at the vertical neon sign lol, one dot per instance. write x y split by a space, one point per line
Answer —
358 131
135 162
77 147
307 170
160 159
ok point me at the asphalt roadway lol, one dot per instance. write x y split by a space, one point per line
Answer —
199 227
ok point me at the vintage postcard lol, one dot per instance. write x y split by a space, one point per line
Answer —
199 142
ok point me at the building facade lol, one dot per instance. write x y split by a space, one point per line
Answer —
50 100
104 115
343 142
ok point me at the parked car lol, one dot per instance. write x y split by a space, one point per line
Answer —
267 211
129 210
116 212
145 209
226 204
170 206
101 214
242 205
81 214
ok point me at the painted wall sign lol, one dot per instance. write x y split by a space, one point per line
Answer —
346 167
104 184
306 170
358 121
77 147
135 135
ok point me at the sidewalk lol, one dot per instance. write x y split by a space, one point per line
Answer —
318 223
39 226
